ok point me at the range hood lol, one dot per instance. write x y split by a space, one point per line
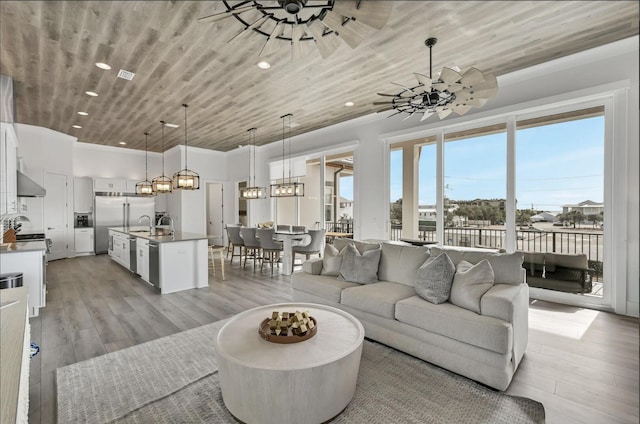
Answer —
29 188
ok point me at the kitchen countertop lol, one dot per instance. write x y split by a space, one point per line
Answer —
23 246
143 232
13 318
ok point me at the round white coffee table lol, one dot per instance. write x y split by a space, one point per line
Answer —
307 382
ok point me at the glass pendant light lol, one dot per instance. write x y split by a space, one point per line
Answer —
253 192
145 188
185 179
162 184
287 188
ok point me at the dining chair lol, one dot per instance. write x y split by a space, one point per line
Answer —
251 245
283 228
298 229
271 249
235 241
314 247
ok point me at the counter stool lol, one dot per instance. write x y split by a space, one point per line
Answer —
212 251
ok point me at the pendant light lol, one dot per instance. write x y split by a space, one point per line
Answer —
162 184
145 188
287 188
185 179
253 192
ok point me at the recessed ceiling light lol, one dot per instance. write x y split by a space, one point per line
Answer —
102 65
83 113
348 104
264 65
76 126
171 125
91 93
122 143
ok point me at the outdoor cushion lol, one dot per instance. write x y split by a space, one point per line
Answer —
399 264
551 260
377 298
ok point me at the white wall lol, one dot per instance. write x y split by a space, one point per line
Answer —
93 160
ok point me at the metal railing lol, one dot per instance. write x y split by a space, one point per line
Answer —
573 242
340 226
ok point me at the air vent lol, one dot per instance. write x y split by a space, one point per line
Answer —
126 75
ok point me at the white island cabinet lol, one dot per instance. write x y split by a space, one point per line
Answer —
171 263
29 258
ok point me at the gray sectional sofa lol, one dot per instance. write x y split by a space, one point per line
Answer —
486 346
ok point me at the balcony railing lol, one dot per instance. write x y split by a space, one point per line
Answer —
588 243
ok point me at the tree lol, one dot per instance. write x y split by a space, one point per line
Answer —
595 219
396 212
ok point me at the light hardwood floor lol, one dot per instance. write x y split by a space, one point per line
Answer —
581 364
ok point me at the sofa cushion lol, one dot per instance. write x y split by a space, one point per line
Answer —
507 267
359 268
456 323
331 261
470 282
399 264
322 286
434 278
378 298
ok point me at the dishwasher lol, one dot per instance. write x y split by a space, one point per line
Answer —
154 264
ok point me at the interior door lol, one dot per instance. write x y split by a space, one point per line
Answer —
214 213
55 214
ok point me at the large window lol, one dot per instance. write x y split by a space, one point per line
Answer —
395 192
560 199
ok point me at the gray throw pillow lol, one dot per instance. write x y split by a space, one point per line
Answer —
358 268
507 267
434 279
331 261
362 246
470 283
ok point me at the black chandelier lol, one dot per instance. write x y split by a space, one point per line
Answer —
449 92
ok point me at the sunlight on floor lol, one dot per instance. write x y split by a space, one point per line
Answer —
576 321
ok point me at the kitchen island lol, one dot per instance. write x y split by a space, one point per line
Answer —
29 258
170 263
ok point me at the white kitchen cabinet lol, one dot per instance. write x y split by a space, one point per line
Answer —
31 263
9 165
110 185
82 195
142 255
83 238
119 248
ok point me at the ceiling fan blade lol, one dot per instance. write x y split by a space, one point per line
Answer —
425 115
405 87
461 109
440 86
299 49
256 24
443 112
327 43
424 80
449 76
372 13
222 15
455 87
476 102
387 95
410 115
272 44
352 32
472 76
392 102
394 114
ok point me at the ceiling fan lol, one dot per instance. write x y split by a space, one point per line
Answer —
304 24
449 92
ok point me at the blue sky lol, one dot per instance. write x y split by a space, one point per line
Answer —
555 165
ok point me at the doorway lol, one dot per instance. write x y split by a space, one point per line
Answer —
215 223
55 214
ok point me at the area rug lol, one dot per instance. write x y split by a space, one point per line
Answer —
174 380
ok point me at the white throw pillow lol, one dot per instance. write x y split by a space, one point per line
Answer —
470 283
434 279
358 268
331 261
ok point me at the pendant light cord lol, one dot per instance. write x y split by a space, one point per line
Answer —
146 157
185 135
253 130
289 137
283 116
162 132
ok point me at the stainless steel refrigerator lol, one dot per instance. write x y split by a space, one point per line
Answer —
118 211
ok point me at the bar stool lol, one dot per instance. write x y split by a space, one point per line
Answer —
212 251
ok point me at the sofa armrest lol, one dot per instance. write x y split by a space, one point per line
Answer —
312 266
510 303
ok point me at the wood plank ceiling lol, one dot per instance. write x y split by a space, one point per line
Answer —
50 49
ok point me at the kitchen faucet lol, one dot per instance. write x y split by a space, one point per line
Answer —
170 222
152 227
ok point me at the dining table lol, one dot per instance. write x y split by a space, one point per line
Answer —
290 239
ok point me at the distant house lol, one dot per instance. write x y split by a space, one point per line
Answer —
545 217
345 211
587 208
